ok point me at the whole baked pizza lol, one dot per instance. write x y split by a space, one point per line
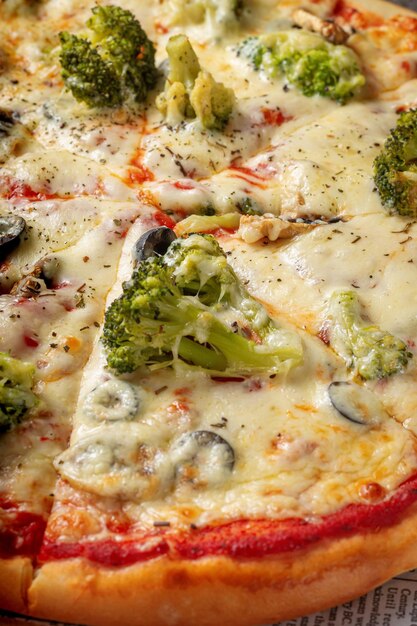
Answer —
208 309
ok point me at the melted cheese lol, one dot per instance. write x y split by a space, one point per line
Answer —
52 173
74 175
55 330
297 277
296 457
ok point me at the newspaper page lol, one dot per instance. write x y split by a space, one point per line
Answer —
393 604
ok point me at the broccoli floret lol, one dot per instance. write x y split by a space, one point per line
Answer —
172 309
184 66
396 167
370 351
307 61
91 79
254 50
248 206
190 92
200 268
219 14
174 103
211 101
116 61
16 396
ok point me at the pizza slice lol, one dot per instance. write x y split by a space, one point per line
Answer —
55 144
54 283
322 170
194 469
384 38
382 34
307 157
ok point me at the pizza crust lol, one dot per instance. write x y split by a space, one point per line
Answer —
382 8
15 579
213 590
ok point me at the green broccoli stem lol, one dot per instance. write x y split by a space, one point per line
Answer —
229 350
200 355
183 62
190 92
206 223
225 343
241 352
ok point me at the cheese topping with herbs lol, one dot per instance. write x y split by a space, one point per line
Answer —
176 444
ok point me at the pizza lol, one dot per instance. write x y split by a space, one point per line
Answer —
208 327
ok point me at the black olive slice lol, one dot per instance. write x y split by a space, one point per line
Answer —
203 458
11 227
111 401
155 242
7 121
356 403
117 461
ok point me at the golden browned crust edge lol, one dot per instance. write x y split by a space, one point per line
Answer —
15 579
222 590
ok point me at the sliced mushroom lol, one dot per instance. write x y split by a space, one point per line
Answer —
356 403
36 278
11 227
111 401
326 28
203 458
155 242
28 287
46 268
117 462
13 134
253 228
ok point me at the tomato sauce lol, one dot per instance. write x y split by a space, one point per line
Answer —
183 185
220 232
19 190
30 342
163 219
241 538
274 117
358 19
139 174
107 552
21 533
